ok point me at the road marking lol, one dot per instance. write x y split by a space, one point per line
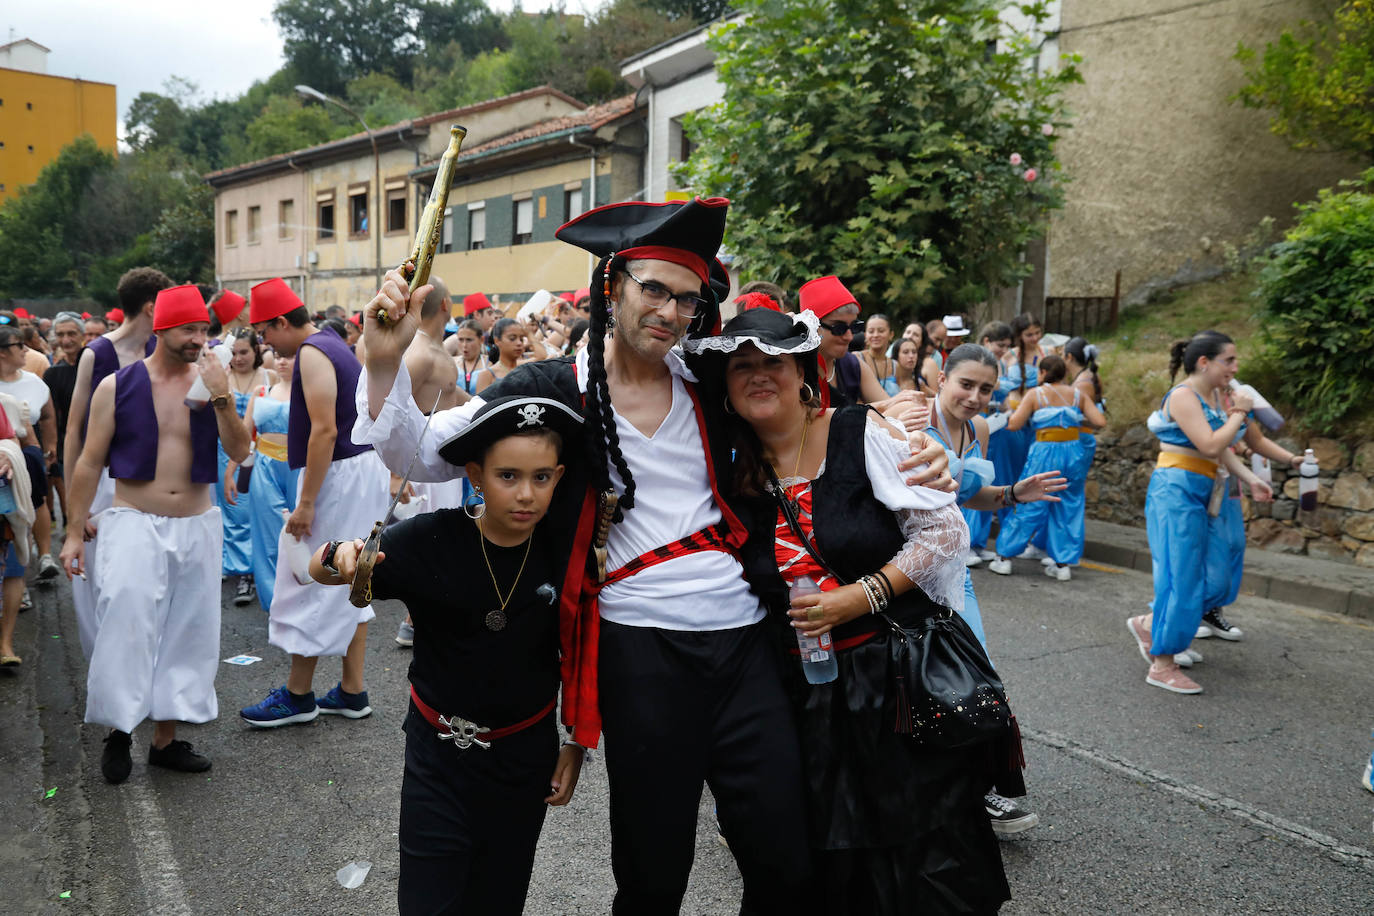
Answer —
1297 833
153 853
1100 568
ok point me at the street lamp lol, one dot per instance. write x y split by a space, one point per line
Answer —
314 95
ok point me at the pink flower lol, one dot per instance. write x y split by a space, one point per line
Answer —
1030 174
1047 129
1015 158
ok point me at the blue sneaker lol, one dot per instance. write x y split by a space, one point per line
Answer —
280 708
339 702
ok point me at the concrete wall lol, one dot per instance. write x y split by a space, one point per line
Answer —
1163 169
24 55
40 114
666 107
279 251
490 123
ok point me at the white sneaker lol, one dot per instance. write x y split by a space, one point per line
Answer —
1000 566
47 569
1183 660
971 559
1203 632
1367 780
1031 553
1058 572
986 555
1047 561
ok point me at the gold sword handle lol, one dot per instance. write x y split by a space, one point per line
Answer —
360 594
609 501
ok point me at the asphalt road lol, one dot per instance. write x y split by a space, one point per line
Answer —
1242 800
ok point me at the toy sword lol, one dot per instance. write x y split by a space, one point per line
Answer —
360 595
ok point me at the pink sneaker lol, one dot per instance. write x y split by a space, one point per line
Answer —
1170 676
1140 629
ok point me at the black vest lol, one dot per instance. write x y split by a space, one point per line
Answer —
855 534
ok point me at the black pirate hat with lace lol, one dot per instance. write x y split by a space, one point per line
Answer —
771 332
509 416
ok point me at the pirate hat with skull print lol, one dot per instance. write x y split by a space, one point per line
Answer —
509 416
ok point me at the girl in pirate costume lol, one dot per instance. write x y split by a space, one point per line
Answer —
895 828
482 755
664 646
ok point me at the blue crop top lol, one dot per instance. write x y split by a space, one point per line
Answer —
1167 430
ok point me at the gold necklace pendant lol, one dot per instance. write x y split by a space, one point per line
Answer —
496 620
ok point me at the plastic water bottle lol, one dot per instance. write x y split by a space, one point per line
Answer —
817 653
199 395
1260 466
1307 485
1263 411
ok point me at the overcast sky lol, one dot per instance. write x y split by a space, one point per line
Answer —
138 44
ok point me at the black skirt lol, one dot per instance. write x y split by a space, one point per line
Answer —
900 828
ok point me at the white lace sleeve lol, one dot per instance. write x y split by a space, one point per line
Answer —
936 533
933 555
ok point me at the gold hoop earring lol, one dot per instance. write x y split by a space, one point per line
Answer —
728 409
808 394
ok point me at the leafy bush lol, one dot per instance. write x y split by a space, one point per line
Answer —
1318 290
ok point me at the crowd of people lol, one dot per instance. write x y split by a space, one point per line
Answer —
613 508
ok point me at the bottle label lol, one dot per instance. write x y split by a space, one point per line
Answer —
818 655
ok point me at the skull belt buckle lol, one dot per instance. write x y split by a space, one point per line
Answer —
463 733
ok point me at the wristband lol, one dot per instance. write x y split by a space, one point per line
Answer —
327 558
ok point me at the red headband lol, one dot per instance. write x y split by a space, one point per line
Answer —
693 262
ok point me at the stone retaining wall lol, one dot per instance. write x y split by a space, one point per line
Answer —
1341 528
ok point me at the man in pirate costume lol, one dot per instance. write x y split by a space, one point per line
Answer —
104 356
155 649
343 487
654 604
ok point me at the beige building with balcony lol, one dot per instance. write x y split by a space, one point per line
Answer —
309 216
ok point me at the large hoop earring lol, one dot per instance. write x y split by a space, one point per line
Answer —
728 409
475 506
808 394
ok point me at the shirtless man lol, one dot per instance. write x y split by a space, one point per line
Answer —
156 646
433 374
105 355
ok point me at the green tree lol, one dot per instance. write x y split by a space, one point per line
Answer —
182 244
468 23
905 145
329 42
39 225
1318 82
284 125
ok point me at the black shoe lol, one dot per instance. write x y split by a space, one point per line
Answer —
1221 626
115 762
1006 817
177 755
244 591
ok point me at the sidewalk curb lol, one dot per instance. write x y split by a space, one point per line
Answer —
1336 600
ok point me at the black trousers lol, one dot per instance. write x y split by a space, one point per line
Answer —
470 819
682 708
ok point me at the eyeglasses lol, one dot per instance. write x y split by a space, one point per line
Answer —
656 296
841 328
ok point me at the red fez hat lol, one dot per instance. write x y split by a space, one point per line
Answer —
228 306
356 319
567 297
687 233
757 301
179 305
823 295
271 299
583 293
115 315
85 316
475 302
22 312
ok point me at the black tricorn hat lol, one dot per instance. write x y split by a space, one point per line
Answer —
508 416
687 233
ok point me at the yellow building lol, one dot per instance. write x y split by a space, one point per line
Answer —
40 114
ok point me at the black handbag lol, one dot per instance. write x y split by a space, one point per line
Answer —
948 694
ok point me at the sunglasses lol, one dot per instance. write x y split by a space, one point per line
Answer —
840 328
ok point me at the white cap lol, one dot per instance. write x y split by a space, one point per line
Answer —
954 326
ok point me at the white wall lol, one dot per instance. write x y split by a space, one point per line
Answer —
668 103
24 56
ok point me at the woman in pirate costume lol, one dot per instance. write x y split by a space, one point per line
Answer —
895 827
482 755
654 603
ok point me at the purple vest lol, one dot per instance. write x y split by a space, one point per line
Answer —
346 372
133 448
849 376
106 363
